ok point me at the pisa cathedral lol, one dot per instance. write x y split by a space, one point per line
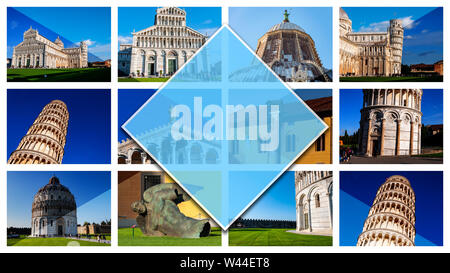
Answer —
369 53
159 50
54 211
291 53
391 220
391 122
45 139
36 51
314 200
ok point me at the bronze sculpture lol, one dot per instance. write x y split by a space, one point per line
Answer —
160 216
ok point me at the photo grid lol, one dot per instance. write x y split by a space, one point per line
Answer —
77 172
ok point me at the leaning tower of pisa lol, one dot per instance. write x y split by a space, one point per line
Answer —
46 137
391 220
396 40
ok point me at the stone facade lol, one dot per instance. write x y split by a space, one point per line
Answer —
391 220
94 229
314 200
36 51
159 50
391 122
45 140
369 53
291 53
54 211
160 143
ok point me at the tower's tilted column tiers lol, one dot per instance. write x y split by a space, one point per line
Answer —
391 220
45 140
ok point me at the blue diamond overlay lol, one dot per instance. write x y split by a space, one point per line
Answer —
227 127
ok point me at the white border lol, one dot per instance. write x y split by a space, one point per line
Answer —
114 85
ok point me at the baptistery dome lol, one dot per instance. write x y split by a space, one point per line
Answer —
291 53
54 211
286 25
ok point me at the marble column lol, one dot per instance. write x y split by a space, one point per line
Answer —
399 122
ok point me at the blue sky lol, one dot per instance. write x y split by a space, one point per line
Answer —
423 29
92 192
351 102
277 203
358 190
251 23
130 100
72 24
89 132
206 20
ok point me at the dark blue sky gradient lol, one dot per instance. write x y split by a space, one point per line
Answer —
364 185
277 203
130 100
89 131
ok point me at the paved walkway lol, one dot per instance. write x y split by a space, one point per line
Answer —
319 233
394 160
89 240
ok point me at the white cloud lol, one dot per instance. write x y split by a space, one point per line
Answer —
125 39
88 42
209 21
382 26
101 51
409 37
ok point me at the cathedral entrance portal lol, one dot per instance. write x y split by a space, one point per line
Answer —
375 149
60 230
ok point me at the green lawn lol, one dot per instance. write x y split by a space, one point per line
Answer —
392 79
60 75
143 79
274 237
50 242
435 155
126 239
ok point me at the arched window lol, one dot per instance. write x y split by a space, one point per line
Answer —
317 198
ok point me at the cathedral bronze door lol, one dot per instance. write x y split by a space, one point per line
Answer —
60 230
151 69
172 66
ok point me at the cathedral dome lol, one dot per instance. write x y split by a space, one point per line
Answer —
343 14
286 26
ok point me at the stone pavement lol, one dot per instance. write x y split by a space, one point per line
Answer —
90 240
